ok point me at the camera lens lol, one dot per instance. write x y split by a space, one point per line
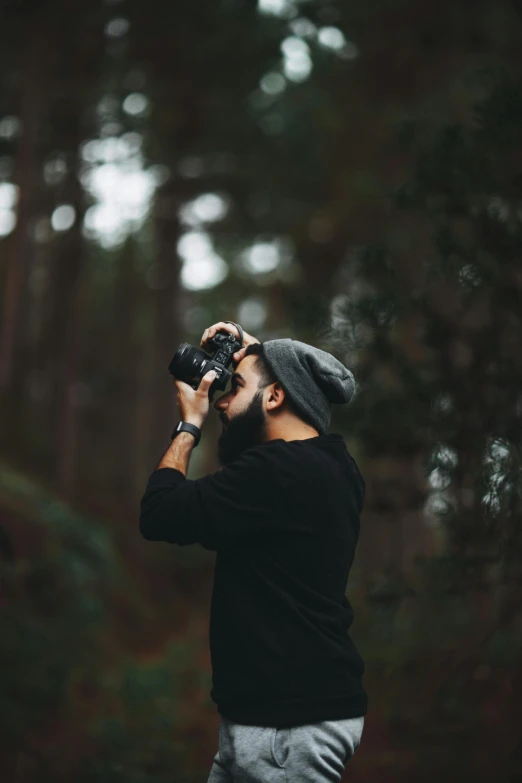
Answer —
187 363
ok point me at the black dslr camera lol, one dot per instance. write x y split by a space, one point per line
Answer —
190 364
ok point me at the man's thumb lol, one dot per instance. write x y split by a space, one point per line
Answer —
208 378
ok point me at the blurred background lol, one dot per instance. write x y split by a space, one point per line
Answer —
348 174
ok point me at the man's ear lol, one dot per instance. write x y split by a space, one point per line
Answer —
276 396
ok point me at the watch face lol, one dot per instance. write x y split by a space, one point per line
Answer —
179 426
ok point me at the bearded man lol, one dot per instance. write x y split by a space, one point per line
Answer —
283 516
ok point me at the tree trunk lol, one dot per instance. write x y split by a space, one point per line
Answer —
169 304
19 249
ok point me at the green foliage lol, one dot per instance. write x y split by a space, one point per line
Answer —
64 658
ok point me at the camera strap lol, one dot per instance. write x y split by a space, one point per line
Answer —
240 330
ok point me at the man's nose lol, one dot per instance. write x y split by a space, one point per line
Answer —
220 404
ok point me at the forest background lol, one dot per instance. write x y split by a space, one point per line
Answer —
345 173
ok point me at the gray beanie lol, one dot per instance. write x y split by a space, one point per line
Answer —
311 378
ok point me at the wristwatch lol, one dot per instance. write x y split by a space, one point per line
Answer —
185 426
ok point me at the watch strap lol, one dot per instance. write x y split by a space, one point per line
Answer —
185 426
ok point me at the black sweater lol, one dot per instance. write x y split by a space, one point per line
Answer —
284 521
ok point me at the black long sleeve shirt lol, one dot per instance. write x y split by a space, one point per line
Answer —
284 521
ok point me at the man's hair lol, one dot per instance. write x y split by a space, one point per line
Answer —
266 377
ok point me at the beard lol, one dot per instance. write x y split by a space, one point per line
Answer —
243 431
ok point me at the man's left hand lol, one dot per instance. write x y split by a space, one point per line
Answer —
194 404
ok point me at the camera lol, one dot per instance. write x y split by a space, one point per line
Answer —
190 364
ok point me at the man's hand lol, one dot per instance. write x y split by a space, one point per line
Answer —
194 404
222 326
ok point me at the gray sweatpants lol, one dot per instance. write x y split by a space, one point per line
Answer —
312 753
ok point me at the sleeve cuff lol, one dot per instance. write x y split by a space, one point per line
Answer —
165 477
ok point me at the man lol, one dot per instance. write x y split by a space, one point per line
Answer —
283 515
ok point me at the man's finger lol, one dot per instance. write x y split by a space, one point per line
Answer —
219 326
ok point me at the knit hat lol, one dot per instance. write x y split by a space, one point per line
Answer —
311 378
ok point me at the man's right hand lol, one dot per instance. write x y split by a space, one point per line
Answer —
222 326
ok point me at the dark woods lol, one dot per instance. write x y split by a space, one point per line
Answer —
346 174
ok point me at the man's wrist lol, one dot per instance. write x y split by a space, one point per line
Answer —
178 454
187 426
193 420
